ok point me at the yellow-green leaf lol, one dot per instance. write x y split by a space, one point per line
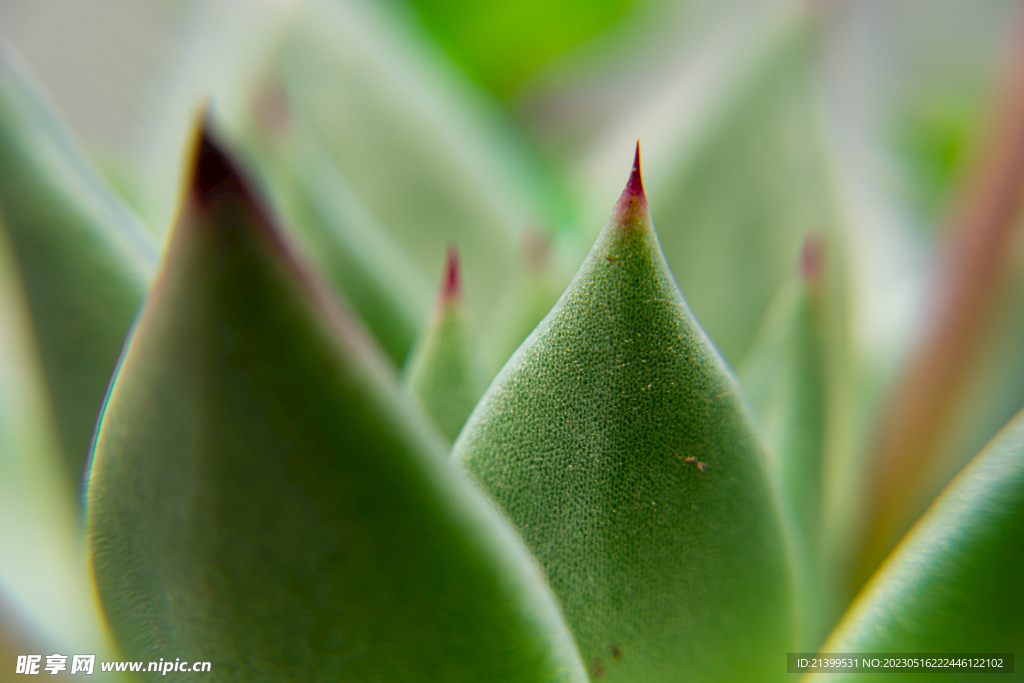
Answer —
616 442
264 498
954 584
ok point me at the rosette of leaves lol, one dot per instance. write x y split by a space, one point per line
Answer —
296 470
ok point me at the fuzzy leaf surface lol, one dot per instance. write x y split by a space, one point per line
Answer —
263 498
616 442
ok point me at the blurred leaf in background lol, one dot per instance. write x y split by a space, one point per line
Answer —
85 260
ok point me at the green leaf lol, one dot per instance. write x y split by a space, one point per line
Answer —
616 441
262 497
84 259
737 205
443 372
954 583
45 596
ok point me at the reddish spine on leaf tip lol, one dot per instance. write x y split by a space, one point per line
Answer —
451 287
632 202
812 258
635 186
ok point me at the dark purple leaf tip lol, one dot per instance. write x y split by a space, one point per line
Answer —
214 175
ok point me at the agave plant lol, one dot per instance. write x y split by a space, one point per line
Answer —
244 427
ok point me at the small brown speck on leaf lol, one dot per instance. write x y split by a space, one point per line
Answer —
596 670
616 652
610 259
702 466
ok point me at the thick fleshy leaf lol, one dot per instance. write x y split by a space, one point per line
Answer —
84 258
262 496
443 373
45 596
954 584
616 441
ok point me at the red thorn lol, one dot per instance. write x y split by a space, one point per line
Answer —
635 186
451 288
632 202
812 258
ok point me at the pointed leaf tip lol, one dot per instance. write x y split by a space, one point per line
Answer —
632 201
451 288
219 181
213 174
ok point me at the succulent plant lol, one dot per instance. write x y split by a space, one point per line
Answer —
275 445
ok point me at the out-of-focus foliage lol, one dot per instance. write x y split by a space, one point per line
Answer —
46 600
501 43
85 260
